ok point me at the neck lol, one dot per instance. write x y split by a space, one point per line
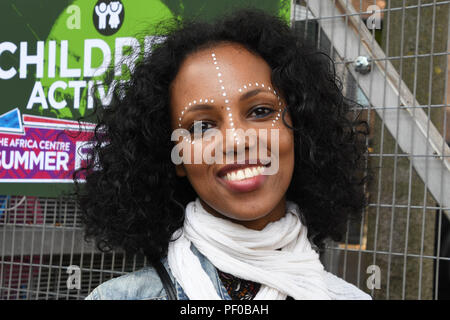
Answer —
275 214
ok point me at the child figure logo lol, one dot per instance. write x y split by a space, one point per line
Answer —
108 16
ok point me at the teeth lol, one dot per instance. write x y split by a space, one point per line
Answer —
261 170
248 173
244 173
240 174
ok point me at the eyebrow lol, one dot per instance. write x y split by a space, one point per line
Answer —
198 107
250 94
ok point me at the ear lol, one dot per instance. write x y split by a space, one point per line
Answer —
180 170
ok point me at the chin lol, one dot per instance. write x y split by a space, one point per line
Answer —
249 214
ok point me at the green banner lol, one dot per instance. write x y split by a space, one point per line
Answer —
53 56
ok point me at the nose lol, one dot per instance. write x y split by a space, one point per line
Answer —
239 139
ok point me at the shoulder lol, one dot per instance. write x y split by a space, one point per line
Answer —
142 284
342 290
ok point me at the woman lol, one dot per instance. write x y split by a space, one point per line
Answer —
226 229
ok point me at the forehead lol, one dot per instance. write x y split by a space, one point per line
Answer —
233 64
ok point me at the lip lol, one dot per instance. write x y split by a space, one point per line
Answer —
245 185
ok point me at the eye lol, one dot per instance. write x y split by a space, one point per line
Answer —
200 125
261 112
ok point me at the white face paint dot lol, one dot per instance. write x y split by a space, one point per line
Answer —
222 87
220 81
229 114
262 85
257 84
219 74
212 100
226 100
206 100
195 101
217 68
245 87
201 100
240 90
224 94
213 54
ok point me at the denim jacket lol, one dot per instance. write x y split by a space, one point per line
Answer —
145 284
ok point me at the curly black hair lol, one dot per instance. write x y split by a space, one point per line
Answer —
133 199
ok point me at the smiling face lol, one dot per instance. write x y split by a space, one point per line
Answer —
229 89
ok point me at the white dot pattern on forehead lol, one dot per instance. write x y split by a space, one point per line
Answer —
223 92
227 101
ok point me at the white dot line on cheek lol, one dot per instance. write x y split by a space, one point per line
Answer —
259 84
184 110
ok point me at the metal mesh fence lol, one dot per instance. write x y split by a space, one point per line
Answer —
403 235
403 238
41 238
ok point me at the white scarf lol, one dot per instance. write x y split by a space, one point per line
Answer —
247 254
